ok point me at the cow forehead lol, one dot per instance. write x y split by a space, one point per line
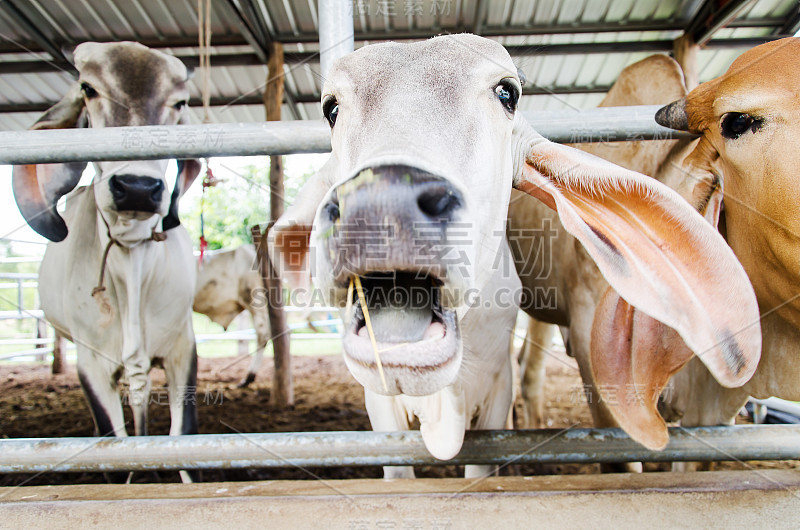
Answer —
442 64
135 69
759 79
762 60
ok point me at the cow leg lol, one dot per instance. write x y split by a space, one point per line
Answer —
261 325
497 404
100 390
387 414
181 374
538 340
96 376
139 402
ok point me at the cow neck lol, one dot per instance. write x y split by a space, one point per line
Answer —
154 236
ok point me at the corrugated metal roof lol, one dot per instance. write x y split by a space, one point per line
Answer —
530 29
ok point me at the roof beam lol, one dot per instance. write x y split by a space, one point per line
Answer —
480 12
253 59
517 31
253 17
792 24
251 99
260 48
710 18
38 37
491 31
256 99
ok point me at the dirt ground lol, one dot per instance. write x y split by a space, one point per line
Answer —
34 403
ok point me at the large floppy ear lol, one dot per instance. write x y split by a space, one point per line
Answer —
290 238
187 172
633 355
38 187
653 249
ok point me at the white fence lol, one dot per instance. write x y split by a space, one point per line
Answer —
44 340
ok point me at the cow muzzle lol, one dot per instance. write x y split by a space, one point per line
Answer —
391 227
132 193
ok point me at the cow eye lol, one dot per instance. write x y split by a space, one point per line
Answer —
734 124
330 109
179 105
508 95
88 91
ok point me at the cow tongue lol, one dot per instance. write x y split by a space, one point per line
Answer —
403 324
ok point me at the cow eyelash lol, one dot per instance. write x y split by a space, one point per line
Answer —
735 124
88 90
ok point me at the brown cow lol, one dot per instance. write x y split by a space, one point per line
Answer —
748 121
623 387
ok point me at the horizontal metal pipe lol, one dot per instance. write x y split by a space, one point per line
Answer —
779 404
282 138
327 449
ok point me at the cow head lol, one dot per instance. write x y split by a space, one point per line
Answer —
748 121
427 144
119 84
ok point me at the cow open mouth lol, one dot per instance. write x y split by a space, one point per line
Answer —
417 338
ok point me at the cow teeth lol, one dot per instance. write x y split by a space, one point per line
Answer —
435 331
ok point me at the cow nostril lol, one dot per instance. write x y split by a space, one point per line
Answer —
332 210
439 201
117 189
158 187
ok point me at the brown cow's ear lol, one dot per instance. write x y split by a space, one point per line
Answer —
633 357
289 239
38 187
654 250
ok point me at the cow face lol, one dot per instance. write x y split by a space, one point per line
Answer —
120 84
417 217
748 121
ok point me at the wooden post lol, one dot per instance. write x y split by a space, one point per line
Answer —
59 353
282 385
684 50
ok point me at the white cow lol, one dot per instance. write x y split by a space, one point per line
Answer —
427 144
118 277
227 284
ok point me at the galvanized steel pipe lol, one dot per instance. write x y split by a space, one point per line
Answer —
291 137
336 36
228 451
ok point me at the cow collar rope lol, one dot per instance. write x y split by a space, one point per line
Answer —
97 292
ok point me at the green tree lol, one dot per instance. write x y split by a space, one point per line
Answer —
231 207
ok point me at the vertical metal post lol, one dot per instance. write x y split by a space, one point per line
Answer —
20 298
335 31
